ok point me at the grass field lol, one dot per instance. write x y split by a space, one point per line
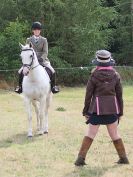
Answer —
53 155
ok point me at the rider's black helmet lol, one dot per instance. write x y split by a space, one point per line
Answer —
36 25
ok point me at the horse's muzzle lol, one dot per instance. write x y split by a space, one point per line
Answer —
26 71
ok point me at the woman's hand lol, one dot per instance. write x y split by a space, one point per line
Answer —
87 117
120 117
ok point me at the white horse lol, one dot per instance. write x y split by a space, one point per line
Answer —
36 89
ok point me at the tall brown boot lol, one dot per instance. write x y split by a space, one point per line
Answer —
121 151
83 151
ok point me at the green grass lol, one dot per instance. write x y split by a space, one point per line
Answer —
53 155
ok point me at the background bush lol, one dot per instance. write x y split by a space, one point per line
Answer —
75 29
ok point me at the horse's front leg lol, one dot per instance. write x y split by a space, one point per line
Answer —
41 115
36 106
28 108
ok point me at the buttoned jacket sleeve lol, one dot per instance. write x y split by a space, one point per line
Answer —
44 49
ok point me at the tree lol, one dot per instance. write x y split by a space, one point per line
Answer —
90 29
75 29
9 45
121 45
8 12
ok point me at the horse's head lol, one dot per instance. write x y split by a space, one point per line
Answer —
27 56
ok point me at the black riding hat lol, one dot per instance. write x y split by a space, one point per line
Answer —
36 25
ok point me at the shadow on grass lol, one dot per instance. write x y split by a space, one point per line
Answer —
20 139
87 171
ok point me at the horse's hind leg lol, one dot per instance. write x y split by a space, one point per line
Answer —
46 113
28 107
36 106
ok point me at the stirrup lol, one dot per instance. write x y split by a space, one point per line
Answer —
55 89
18 89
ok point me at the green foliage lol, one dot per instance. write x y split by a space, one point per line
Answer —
8 12
75 29
72 77
122 42
9 44
61 109
91 29
54 56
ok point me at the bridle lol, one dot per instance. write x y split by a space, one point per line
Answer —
29 65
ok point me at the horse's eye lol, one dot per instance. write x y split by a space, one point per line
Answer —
30 56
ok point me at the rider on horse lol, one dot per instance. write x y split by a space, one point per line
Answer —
40 45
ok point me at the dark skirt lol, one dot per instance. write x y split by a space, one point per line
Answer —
102 119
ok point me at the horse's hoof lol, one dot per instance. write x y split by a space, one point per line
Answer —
45 132
29 135
40 133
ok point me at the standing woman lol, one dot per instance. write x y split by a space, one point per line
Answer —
103 106
40 45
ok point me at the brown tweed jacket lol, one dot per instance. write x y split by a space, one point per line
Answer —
40 47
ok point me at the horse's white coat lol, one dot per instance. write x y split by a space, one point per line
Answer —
36 90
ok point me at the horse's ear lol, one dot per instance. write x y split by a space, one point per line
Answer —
31 45
21 46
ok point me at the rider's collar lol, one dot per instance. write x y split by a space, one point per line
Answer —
36 37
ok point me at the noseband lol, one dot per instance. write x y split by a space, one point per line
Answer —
29 65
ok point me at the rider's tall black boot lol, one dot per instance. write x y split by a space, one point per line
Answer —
19 87
54 88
